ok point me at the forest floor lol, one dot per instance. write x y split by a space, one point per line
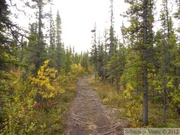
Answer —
88 116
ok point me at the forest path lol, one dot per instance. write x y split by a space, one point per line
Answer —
88 116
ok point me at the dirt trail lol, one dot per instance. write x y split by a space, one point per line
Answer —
88 116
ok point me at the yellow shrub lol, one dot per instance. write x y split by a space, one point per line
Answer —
44 81
76 70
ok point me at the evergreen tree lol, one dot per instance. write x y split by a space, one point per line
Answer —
116 65
104 56
111 46
177 49
40 46
77 58
100 57
52 44
36 39
31 58
6 46
111 30
169 53
59 45
94 52
145 60
139 33
85 61
68 61
112 64
7 58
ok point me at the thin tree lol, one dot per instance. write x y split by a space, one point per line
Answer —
111 30
94 51
59 46
145 59
52 39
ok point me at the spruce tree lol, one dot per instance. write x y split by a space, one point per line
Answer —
6 46
94 52
139 33
52 37
7 58
59 45
85 61
111 30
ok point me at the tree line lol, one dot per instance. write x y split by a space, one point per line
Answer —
37 72
145 62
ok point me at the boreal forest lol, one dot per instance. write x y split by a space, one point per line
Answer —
126 81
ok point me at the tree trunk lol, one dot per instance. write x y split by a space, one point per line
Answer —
165 90
166 66
38 97
145 72
95 54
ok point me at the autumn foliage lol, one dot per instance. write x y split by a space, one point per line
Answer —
43 82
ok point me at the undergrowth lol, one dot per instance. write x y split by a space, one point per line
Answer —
22 114
129 106
25 116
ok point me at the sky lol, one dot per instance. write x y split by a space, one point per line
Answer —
79 16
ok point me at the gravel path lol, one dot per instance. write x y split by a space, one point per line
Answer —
88 116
